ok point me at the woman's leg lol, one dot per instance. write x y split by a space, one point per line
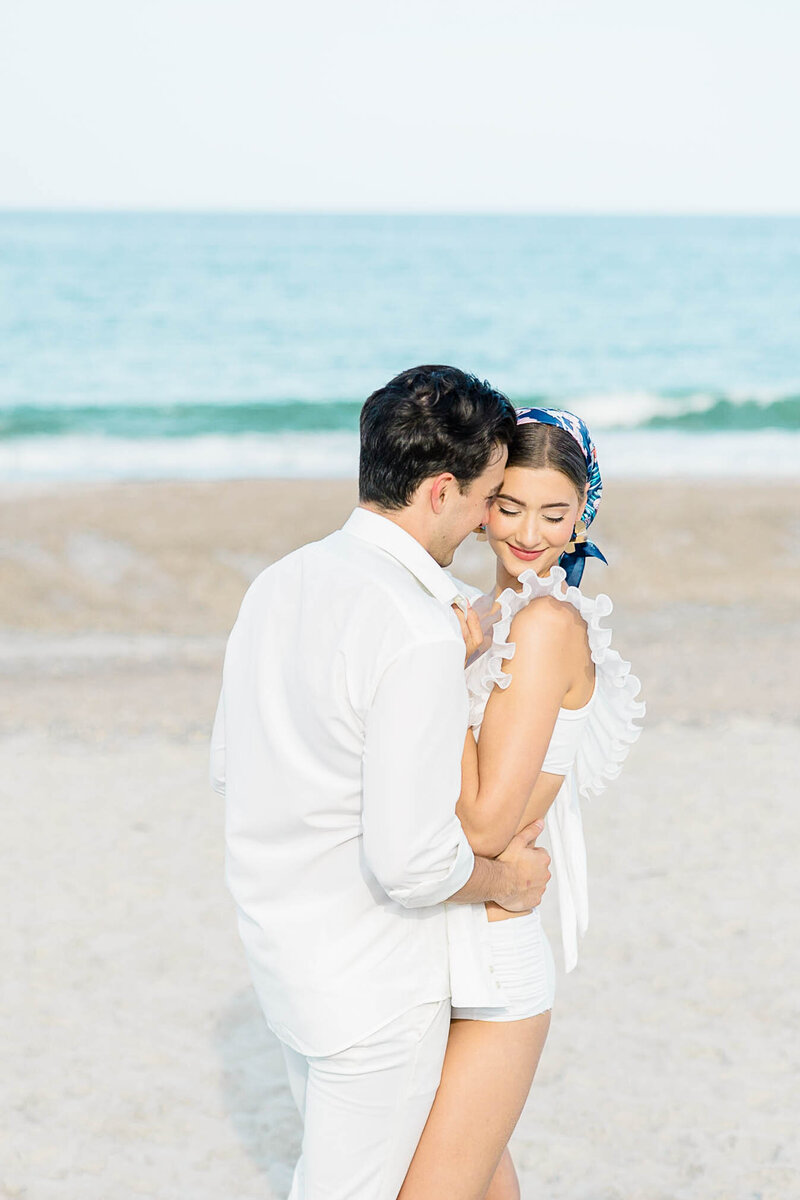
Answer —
487 1074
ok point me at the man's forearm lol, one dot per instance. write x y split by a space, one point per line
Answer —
515 880
490 880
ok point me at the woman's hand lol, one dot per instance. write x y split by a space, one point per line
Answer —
470 629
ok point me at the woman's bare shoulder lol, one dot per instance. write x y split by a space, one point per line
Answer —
547 616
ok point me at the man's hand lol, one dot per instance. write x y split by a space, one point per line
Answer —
470 629
528 870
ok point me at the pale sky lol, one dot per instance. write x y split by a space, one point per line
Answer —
421 105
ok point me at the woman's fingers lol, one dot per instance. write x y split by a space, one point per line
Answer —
474 627
470 628
531 832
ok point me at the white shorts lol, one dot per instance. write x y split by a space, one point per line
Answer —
522 963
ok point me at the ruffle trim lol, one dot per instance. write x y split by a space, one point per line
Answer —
611 727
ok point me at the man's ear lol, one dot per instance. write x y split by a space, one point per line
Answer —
441 486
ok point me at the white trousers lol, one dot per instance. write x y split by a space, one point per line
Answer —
364 1109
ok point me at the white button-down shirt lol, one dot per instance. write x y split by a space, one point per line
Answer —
338 745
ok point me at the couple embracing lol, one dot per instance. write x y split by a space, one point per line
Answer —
389 744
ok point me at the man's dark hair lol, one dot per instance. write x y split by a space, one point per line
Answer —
425 421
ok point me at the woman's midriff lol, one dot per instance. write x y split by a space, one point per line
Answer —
544 793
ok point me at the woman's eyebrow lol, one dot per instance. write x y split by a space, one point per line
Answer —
522 504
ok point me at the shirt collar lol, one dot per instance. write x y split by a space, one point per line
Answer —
380 531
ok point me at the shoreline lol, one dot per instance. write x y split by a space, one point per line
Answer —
636 455
10 488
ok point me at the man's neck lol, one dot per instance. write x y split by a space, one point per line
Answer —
406 518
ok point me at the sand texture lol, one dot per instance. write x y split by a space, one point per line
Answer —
136 1063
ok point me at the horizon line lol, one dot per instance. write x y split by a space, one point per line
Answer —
220 210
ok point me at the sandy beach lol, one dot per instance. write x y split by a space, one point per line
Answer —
136 1061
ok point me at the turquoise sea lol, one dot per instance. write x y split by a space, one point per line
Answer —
207 346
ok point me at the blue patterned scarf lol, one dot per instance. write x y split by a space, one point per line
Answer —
573 561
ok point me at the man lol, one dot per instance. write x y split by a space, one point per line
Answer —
338 746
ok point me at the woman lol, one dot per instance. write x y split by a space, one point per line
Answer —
553 711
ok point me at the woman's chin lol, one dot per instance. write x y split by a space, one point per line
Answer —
517 567
544 571
512 566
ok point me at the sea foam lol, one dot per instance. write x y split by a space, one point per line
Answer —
624 454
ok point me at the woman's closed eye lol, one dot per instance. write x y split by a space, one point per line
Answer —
554 520
507 512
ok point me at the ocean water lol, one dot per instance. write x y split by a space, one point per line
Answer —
211 346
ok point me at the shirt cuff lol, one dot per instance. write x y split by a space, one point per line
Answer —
429 893
462 867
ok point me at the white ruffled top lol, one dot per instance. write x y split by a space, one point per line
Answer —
588 746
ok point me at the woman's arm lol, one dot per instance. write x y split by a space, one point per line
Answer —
498 775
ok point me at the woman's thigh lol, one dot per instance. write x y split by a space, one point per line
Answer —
487 1074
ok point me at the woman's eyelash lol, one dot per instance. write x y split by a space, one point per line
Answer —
507 512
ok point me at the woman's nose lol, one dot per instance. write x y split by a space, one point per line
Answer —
529 533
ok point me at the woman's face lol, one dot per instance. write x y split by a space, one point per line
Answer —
532 518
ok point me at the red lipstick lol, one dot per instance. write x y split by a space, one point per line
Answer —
525 555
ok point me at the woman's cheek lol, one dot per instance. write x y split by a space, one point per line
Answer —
496 527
